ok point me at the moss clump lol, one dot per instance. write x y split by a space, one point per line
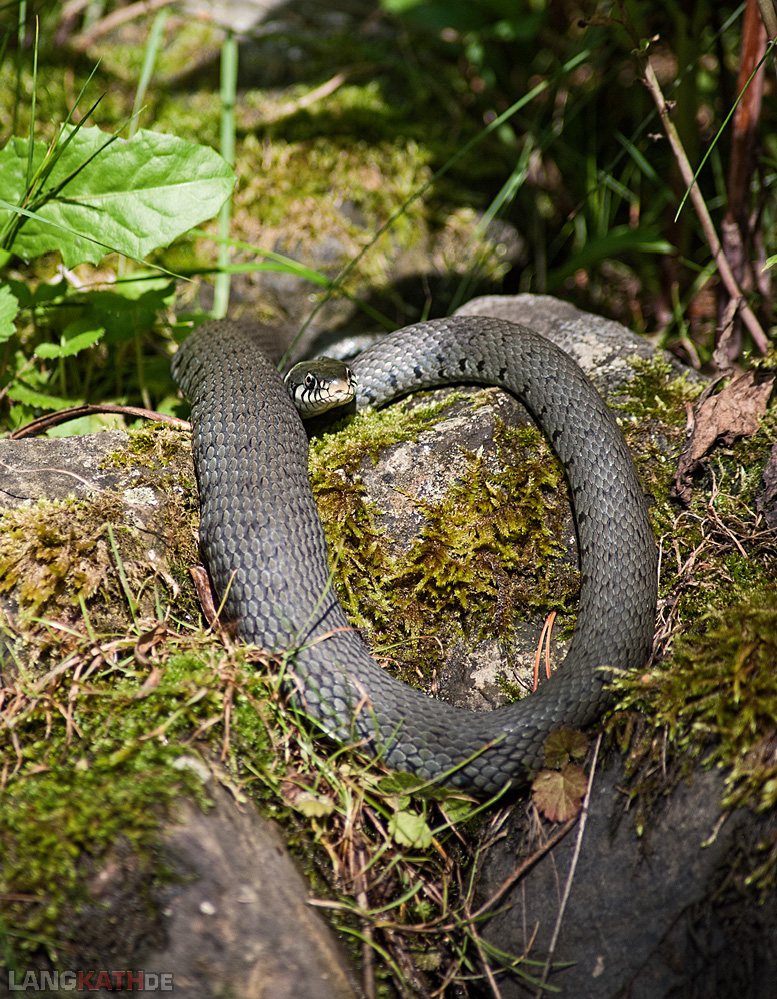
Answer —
716 699
153 446
302 187
102 556
56 825
656 392
486 544
101 768
55 555
652 411
491 538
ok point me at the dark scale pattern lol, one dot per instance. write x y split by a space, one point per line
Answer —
265 545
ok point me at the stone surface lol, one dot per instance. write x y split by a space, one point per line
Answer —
240 923
602 347
422 471
648 916
54 468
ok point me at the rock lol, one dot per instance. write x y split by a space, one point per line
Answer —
402 492
240 922
602 347
53 468
231 916
648 917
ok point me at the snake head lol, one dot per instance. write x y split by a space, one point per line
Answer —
319 385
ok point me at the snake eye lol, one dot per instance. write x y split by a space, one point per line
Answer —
310 380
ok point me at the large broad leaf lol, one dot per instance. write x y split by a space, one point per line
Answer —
9 306
134 196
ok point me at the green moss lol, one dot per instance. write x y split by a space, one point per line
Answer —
152 446
54 824
514 515
86 565
711 696
655 393
652 411
103 767
716 699
165 453
483 556
370 433
54 555
302 187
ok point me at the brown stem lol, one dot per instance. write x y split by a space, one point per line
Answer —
736 233
43 423
746 115
758 335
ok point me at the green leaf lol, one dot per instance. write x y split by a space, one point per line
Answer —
457 809
564 745
9 306
141 283
72 343
31 397
124 317
400 783
315 806
133 196
409 829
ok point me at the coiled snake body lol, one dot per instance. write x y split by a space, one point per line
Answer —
265 545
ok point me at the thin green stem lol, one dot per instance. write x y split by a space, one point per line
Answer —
153 45
229 60
32 107
21 28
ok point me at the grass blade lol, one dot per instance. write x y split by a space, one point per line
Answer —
32 105
229 56
22 24
726 120
153 45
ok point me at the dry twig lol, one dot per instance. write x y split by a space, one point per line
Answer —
758 335
43 423
571 874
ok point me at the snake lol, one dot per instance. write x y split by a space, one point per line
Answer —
265 547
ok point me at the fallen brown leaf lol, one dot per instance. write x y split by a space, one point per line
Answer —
150 684
733 412
148 640
559 794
